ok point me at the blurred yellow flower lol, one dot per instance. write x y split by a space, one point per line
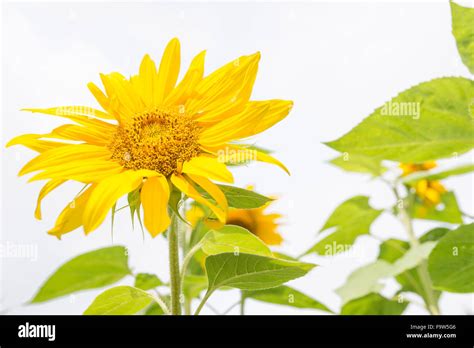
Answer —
153 135
256 220
429 191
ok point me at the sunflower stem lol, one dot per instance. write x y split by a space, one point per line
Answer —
422 269
175 279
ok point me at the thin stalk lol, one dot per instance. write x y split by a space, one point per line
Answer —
175 280
203 302
187 260
422 269
242 303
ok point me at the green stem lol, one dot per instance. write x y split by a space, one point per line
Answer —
203 302
422 269
187 260
175 283
242 303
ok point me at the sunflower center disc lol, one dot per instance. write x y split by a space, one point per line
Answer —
157 140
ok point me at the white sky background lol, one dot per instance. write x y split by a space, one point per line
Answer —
337 61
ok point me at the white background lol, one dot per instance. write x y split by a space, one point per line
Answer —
337 61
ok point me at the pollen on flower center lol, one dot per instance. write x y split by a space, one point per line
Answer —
158 140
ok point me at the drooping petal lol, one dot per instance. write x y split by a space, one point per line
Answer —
71 216
47 188
169 70
277 111
154 197
208 167
212 189
186 87
107 192
189 190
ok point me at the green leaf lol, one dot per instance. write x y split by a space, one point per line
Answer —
284 295
147 281
373 304
134 203
351 219
240 198
233 239
91 270
193 285
463 31
359 164
451 264
429 121
366 280
438 174
393 249
121 300
447 211
251 272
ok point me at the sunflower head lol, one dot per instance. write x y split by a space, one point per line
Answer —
152 136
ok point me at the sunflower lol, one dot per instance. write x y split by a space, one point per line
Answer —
153 136
429 191
263 225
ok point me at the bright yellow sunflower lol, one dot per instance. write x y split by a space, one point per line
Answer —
263 225
429 191
153 135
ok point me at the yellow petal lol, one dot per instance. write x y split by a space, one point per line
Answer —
208 167
123 97
238 126
106 193
227 88
169 70
83 117
33 142
277 111
189 190
148 80
186 87
213 190
86 171
47 188
80 133
71 216
102 100
62 155
154 197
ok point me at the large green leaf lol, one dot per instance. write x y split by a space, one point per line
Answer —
366 280
436 123
284 295
463 31
438 174
351 219
233 239
373 304
251 272
447 211
359 164
91 270
451 264
121 300
241 198
147 281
